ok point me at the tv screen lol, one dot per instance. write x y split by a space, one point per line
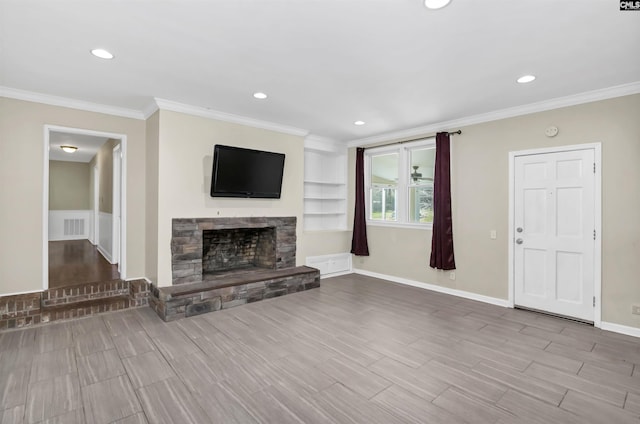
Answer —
239 172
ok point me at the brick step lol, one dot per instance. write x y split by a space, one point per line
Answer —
86 291
80 308
72 301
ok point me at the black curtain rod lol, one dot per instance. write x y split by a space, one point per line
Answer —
413 139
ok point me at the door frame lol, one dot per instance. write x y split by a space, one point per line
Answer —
117 207
45 195
95 205
597 271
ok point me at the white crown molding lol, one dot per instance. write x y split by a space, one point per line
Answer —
30 96
150 109
559 102
317 138
316 142
227 117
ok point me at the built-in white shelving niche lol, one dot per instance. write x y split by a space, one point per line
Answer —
325 185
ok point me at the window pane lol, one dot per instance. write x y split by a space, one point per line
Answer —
383 204
421 203
376 203
390 204
422 164
384 169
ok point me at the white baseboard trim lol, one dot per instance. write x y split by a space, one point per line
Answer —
105 254
440 289
622 329
138 278
335 274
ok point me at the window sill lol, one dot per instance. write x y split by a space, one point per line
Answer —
428 226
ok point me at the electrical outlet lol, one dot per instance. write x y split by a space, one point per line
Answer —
635 309
452 276
493 234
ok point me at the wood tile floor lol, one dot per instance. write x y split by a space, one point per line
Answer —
357 350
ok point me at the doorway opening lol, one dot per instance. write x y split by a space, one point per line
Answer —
555 231
84 207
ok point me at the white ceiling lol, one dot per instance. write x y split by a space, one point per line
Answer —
87 145
324 63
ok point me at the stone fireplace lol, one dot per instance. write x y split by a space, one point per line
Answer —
220 263
206 248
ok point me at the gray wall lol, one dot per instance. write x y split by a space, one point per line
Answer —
69 185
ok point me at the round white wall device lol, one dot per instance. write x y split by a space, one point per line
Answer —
551 131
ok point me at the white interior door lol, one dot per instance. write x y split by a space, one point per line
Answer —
554 234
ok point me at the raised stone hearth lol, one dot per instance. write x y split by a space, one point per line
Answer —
218 263
185 300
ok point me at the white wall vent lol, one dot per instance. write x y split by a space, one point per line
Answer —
73 227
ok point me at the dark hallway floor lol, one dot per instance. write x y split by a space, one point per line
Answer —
77 261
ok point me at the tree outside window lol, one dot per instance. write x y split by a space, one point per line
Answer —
384 181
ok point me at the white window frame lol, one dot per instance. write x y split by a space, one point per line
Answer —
402 187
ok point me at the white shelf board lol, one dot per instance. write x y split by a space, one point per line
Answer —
323 182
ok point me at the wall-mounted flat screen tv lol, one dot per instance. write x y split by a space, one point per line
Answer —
239 172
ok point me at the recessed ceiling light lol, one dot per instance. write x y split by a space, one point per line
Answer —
102 54
436 4
526 78
260 95
358 123
69 149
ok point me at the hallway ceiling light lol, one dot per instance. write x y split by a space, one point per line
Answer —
260 96
526 78
359 123
69 149
436 4
102 54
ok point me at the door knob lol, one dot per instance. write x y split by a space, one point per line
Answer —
519 229
519 241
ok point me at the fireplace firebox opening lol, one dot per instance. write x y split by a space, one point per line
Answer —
238 250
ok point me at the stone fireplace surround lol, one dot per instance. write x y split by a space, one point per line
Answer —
187 243
218 263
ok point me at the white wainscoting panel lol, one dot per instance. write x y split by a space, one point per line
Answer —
331 265
105 221
69 224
